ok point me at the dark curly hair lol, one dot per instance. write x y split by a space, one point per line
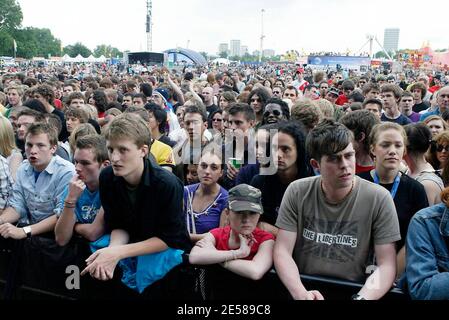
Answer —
101 103
159 114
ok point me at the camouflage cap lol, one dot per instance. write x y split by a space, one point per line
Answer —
244 197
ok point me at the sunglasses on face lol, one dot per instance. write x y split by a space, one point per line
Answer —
440 148
217 120
276 113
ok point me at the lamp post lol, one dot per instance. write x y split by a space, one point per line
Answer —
262 36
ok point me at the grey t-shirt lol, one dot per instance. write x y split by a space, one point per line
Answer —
337 240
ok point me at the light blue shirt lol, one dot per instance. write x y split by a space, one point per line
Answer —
435 112
37 200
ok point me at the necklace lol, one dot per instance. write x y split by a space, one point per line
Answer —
342 200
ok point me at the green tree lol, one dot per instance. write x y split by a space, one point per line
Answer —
35 42
380 55
223 55
107 51
76 49
10 15
205 55
6 44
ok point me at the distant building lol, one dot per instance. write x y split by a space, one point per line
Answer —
223 47
243 50
391 39
235 48
268 53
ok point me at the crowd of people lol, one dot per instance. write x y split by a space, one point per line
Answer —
329 174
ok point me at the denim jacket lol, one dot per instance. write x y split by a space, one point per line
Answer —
428 255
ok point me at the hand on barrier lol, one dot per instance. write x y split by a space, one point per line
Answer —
7 230
101 264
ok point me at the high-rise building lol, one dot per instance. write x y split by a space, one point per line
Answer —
391 39
268 53
235 48
223 47
243 50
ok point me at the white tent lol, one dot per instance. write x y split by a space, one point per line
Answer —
221 61
67 58
102 58
91 59
79 58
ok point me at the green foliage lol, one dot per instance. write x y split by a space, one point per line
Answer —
107 51
6 44
380 55
224 55
10 15
35 42
205 55
76 49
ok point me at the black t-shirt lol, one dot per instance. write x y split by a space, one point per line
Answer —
167 141
95 124
64 134
157 211
421 106
410 198
402 120
272 192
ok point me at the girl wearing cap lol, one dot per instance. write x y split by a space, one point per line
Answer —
239 247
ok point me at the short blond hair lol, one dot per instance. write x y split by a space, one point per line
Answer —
129 126
326 107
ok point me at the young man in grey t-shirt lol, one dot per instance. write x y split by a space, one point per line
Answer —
329 223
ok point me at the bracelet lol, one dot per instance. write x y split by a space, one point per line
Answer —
69 205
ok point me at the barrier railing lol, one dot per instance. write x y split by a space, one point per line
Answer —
18 280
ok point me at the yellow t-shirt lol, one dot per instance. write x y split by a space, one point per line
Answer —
162 153
3 109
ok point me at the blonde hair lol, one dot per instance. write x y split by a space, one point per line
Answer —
384 126
327 109
129 126
82 130
7 139
91 110
435 117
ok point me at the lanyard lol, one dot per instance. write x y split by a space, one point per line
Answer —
395 187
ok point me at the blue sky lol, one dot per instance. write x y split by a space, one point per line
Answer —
317 25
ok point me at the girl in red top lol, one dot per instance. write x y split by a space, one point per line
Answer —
240 247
